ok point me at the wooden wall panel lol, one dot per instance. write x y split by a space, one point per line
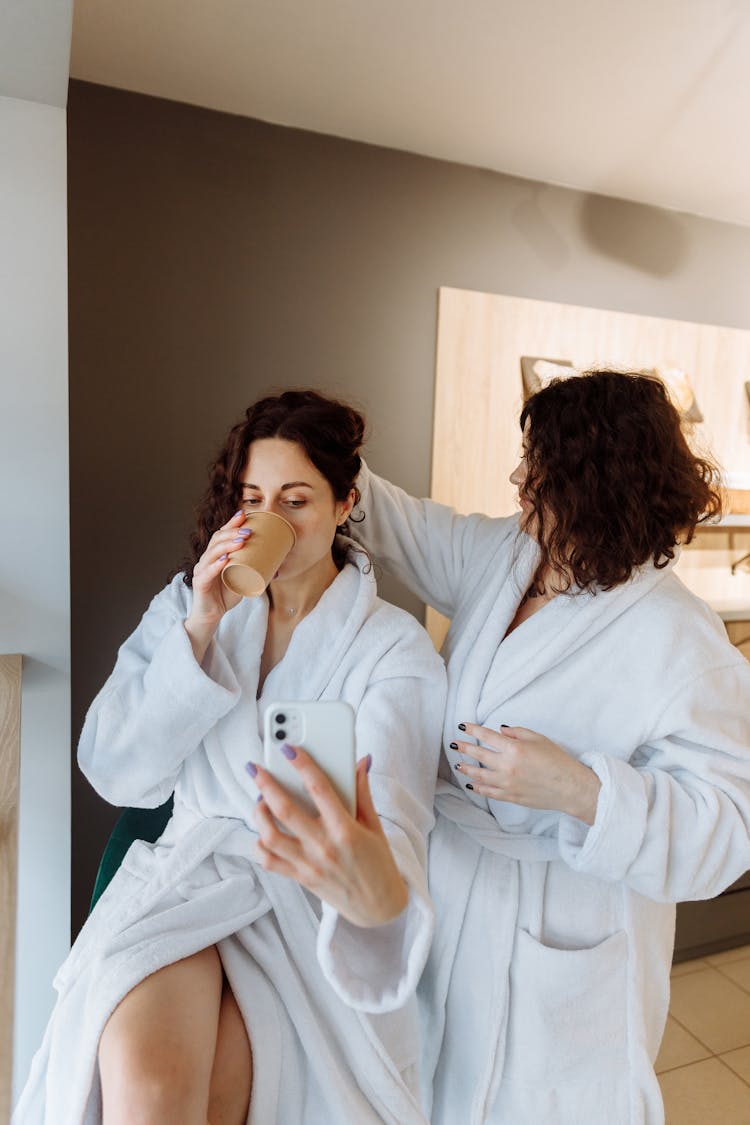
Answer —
10 732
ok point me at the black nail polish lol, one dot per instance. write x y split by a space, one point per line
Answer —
453 746
469 785
462 726
503 725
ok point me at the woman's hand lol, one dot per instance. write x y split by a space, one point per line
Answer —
211 598
528 769
346 861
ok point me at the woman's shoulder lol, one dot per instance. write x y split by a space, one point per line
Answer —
400 636
173 599
689 628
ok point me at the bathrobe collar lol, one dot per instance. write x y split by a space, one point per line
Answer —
318 647
494 667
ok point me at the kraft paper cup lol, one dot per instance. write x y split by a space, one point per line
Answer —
252 567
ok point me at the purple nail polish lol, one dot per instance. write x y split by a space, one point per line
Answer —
245 532
222 558
239 512
251 768
288 751
368 763
259 798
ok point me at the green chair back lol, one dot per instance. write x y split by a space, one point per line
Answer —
133 824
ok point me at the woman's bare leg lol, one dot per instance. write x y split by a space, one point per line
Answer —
232 1076
157 1051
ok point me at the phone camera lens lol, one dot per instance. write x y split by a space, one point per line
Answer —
281 718
281 735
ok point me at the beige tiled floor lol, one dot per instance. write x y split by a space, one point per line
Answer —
704 1061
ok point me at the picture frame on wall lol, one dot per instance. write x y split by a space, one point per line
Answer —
538 371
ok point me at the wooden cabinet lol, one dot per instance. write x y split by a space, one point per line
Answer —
723 922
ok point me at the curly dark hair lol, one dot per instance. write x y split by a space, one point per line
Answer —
331 434
611 478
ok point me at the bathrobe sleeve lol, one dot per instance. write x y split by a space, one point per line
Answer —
399 723
426 545
155 708
673 823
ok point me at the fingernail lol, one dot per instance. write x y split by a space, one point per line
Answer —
239 512
259 798
288 751
503 725
457 766
239 539
453 746
245 532
223 557
368 763
251 768
462 726
469 785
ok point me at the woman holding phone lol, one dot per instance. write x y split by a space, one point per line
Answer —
258 963
596 758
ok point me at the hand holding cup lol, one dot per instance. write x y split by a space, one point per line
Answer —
250 568
211 598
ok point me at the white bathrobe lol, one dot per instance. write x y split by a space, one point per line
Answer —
330 1008
546 990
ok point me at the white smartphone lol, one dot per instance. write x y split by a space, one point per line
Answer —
325 729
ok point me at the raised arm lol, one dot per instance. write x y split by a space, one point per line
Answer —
424 544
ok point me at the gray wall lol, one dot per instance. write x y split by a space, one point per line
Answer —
214 257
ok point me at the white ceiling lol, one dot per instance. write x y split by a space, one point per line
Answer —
35 49
647 99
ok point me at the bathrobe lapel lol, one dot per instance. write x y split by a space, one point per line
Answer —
320 642
495 667
554 633
316 652
479 632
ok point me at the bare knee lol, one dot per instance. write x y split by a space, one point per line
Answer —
150 1089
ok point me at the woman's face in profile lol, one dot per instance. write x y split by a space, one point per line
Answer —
279 477
518 478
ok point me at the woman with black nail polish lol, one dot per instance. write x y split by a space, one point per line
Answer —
259 961
557 857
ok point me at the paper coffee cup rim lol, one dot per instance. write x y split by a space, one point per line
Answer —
275 515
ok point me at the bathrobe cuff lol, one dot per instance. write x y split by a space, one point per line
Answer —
609 846
210 689
376 970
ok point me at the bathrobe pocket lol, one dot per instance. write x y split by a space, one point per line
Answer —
568 1013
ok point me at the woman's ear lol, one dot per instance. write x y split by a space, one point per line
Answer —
344 508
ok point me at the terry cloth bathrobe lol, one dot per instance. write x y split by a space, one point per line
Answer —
330 1008
546 990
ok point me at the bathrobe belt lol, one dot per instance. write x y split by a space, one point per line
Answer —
482 827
